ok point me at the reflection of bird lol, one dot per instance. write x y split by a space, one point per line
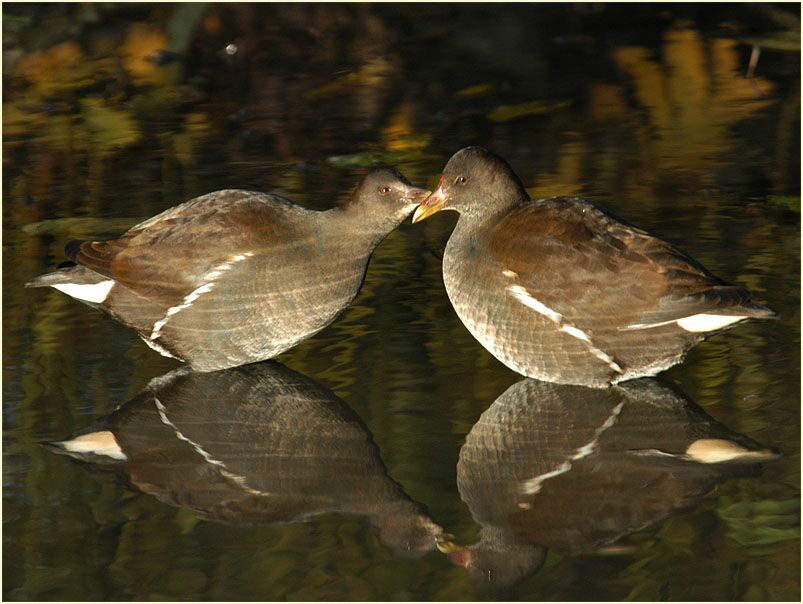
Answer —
573 468
559 290
234 277
497 559
255 444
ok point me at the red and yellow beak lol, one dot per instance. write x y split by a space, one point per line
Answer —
431 205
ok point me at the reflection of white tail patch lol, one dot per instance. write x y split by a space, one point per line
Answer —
526 298
98 443
533 485
209 284
695 323
703 322
712 450
88 292
717 450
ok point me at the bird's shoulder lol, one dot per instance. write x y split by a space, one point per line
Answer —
579 235
226 209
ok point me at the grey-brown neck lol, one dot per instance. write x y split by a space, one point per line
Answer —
368 226
473 215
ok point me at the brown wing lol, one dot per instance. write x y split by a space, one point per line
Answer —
170 255
589 266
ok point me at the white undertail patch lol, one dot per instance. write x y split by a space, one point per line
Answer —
703 322
523 296
694 323
209 280
511 274
533 485
98 443
88 292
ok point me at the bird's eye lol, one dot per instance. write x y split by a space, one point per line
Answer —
384 190
460 180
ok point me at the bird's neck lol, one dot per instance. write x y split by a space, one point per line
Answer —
365 227
478 215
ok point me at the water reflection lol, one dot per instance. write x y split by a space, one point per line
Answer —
574 468
256 444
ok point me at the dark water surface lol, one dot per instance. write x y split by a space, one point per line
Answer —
334 473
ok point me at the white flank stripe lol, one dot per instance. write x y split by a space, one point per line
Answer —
533 485
703 322
606 357
88 292
577 333
239 480
160 349
98 443
209 283
523 296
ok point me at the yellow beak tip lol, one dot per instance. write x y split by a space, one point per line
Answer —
422 212
445 544
445 548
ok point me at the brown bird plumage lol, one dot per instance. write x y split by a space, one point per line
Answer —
235 277
560 290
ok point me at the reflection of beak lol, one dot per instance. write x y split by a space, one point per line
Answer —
432 204
456 553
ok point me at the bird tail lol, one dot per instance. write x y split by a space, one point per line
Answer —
72 274
99 447
78 282
757 311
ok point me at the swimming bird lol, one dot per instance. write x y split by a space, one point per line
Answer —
234 277
561 290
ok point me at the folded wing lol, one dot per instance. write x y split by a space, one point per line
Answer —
594 270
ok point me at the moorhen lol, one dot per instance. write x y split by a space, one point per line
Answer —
234 277
560 290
